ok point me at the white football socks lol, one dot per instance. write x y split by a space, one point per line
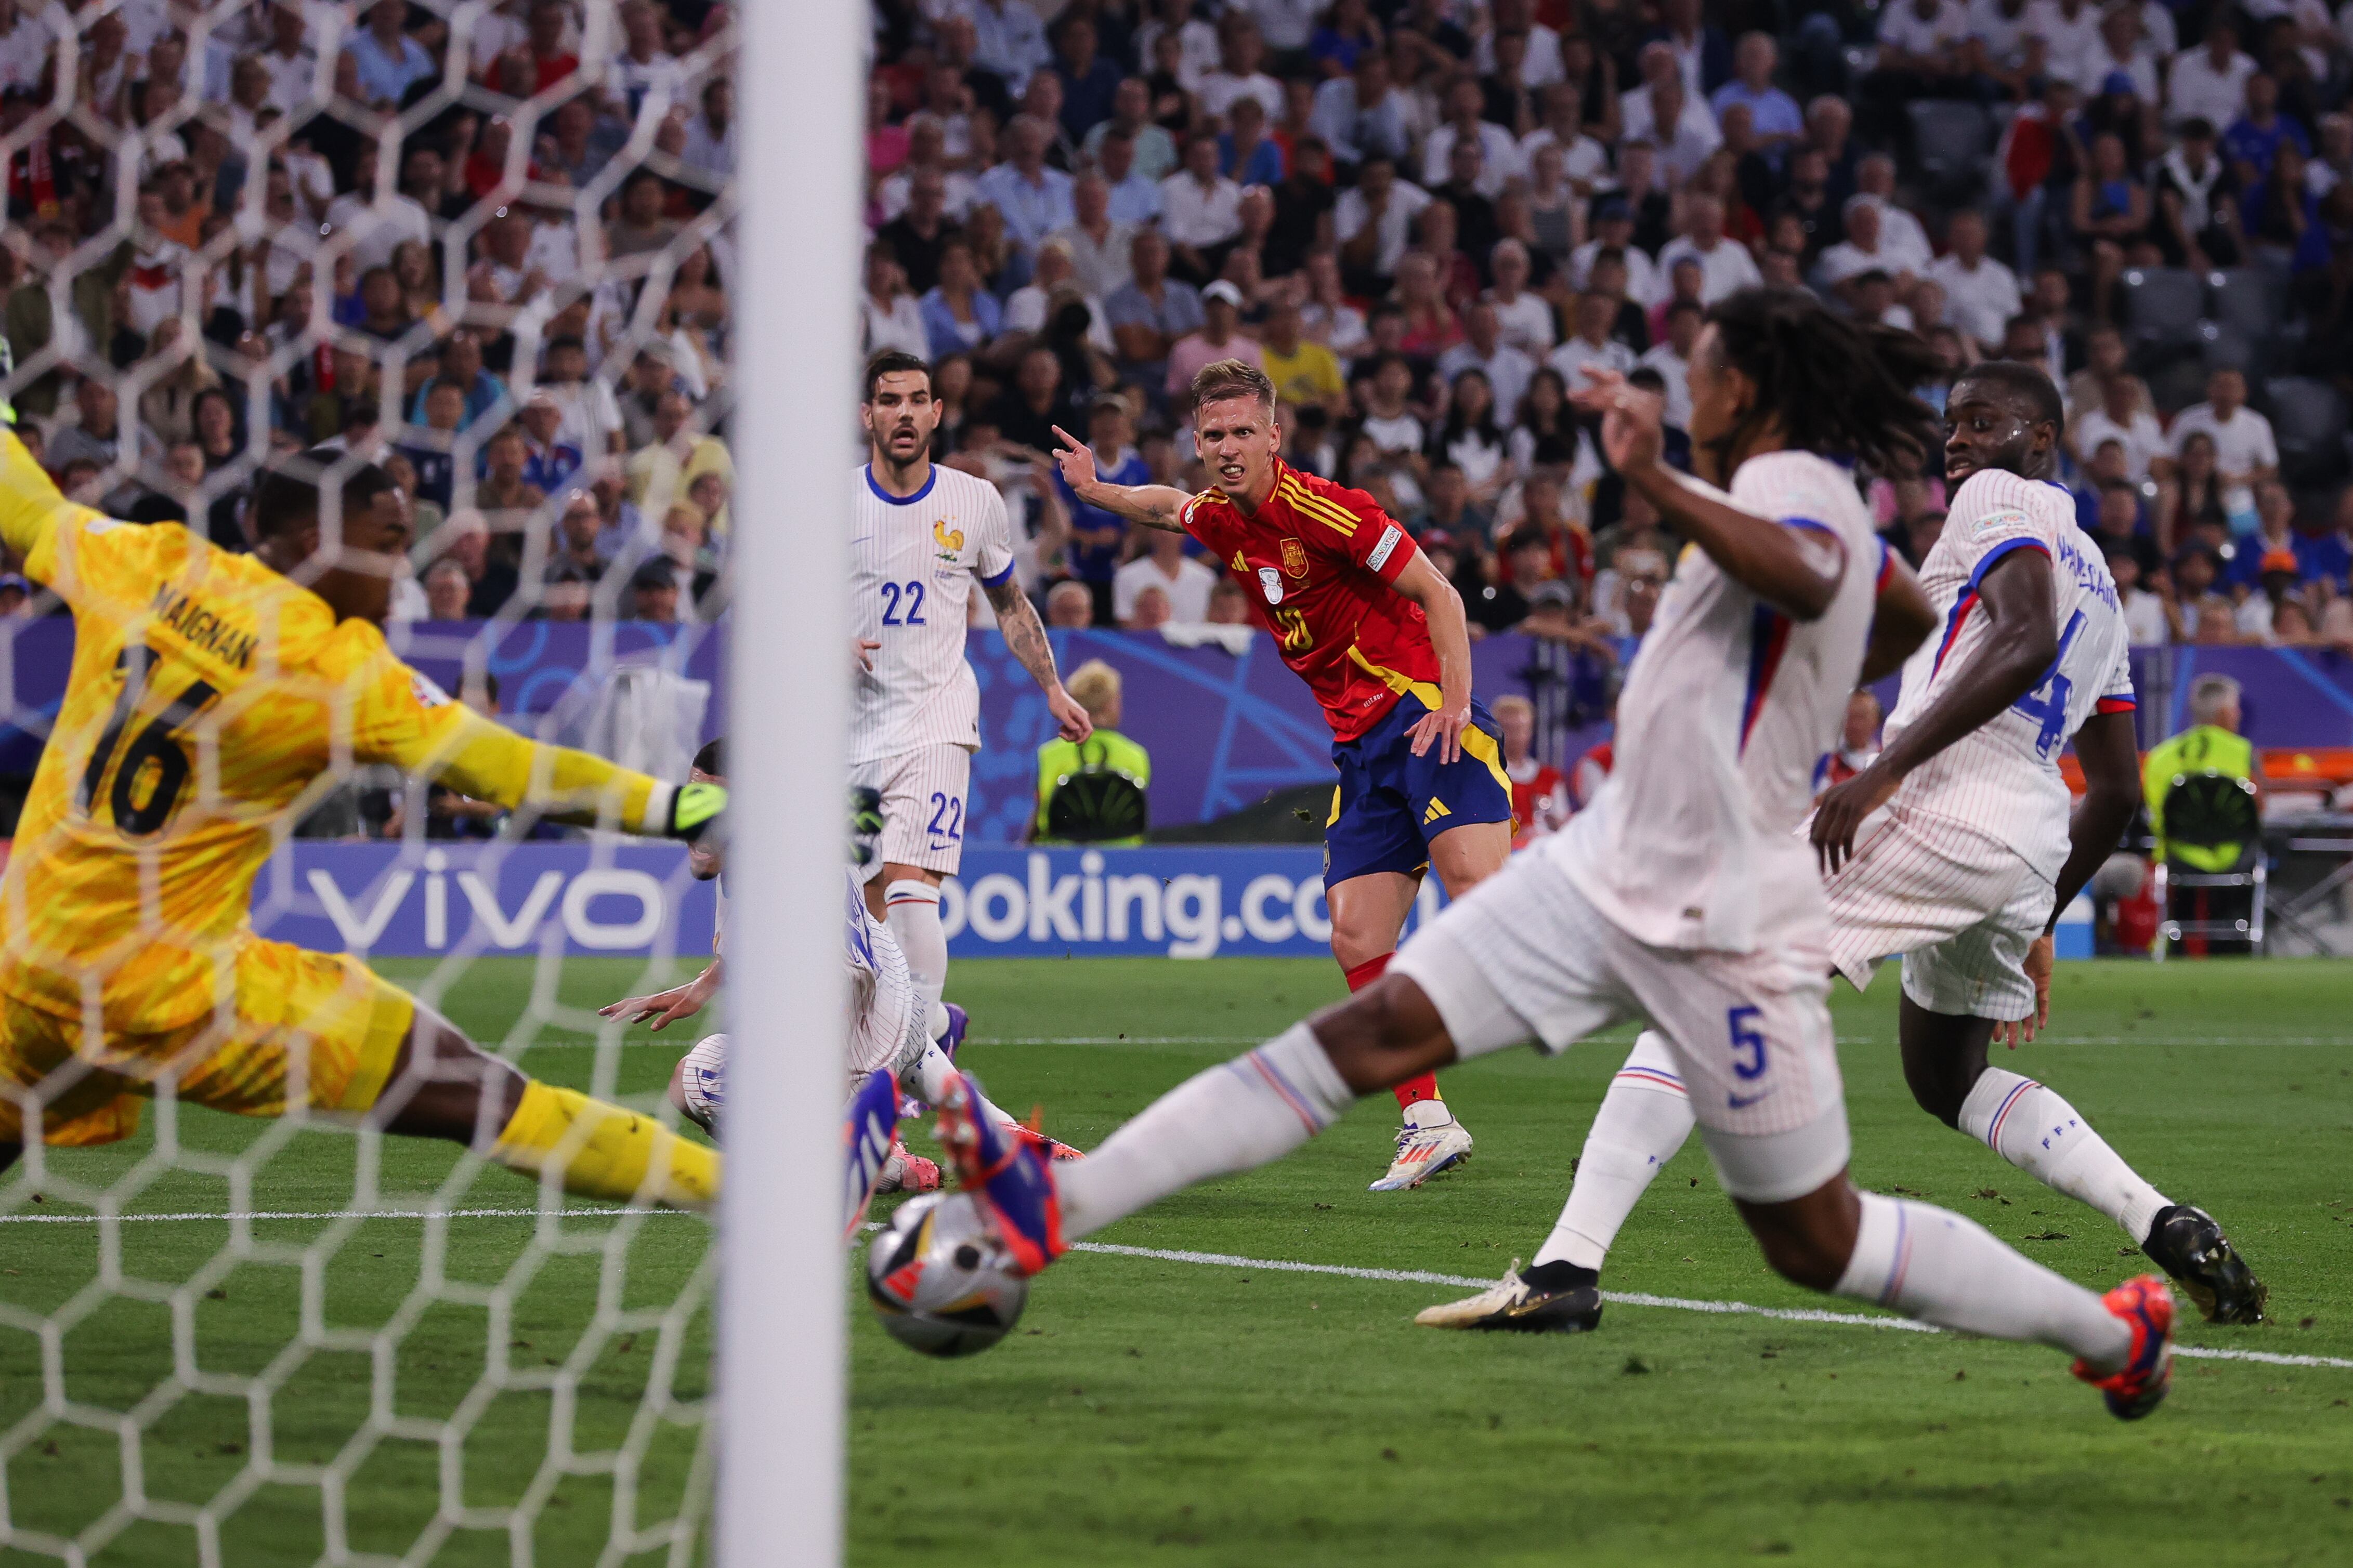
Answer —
1931 1264
1235 1117
912 910
2041 1134
1642 1121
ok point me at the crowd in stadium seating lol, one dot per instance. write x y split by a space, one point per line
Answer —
1429 218
526 254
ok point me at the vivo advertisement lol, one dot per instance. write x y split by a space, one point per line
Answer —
637 901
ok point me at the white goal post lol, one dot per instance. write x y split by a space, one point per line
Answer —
781 1376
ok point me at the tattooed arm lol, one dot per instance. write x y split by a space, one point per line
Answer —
1026 636
1149 506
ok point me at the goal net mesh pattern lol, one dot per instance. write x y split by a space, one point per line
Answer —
240 229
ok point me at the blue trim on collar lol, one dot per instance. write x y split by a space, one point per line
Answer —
888 499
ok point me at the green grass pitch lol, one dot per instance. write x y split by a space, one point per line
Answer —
1150 1410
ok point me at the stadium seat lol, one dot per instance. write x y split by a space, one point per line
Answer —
2309 421
2226 347
2166 307
2247 299
2211 811
1951 140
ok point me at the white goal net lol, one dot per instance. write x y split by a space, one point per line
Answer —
490 246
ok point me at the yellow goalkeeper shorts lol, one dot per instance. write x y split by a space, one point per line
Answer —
316 1027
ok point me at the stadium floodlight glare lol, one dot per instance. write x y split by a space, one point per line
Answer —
781 1355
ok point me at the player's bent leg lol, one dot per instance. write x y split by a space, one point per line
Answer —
1933 1264
909 896
1234 1117
1368 912
1644 1119
2035 1129
441 1086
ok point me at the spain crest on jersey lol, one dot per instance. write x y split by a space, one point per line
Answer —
1294 557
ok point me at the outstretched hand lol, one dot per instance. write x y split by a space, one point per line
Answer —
1633 422
1076 461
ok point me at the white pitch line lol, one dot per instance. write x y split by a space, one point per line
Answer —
1211 1259
1638 1298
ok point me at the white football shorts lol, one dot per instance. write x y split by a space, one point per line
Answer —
924 791
1960 906
1524 956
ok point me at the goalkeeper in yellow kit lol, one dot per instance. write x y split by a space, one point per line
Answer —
212 697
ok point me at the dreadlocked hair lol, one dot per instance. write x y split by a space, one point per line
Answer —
1837 385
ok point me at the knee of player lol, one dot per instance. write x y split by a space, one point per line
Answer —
1365 1036
1941 1099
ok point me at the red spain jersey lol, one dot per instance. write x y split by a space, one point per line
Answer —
1318 560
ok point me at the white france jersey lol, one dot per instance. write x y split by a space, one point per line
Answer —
886 1014
1727 707
2003 778
911 584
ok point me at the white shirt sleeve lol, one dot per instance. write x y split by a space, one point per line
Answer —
992 553
1991 516
2116 691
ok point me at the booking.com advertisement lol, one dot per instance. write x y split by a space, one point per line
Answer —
637 901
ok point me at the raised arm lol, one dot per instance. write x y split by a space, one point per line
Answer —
1148 506
1450 635
1759 553
1901 620
2016 594
490 762
1024 635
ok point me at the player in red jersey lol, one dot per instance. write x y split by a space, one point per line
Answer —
1378 635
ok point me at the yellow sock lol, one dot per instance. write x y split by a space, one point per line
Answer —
605 1151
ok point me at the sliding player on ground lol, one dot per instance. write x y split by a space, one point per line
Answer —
210 695
1380 637
922 535
1684 893
1955 848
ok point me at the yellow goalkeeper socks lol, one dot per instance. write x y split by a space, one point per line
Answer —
605 1151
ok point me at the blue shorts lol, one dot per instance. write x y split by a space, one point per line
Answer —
1390 804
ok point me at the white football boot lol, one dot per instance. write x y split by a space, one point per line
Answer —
1423 1151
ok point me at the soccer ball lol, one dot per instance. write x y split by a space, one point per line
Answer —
702 1079
938 1280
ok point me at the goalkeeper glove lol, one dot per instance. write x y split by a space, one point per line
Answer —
695 809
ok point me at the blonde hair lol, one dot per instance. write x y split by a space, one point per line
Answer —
1231 378
1512 700
1093 686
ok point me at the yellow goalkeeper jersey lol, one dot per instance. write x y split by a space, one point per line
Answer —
209 698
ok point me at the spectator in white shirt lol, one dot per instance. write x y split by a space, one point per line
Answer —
1542 67
1197 41
1484 349
1098 246
1499 160
1902 239
2070 29
2117 47
1363 115
1374 220
1664 112
382 222
2120 418
1980 294
2244 451
1592 347
2145 621
1671 357
1009 41
1725 266
1200 208
1525 318
1613 229
1861 251
1240 49
1921 38
1584 161
1164 566
2209 83
1052 284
